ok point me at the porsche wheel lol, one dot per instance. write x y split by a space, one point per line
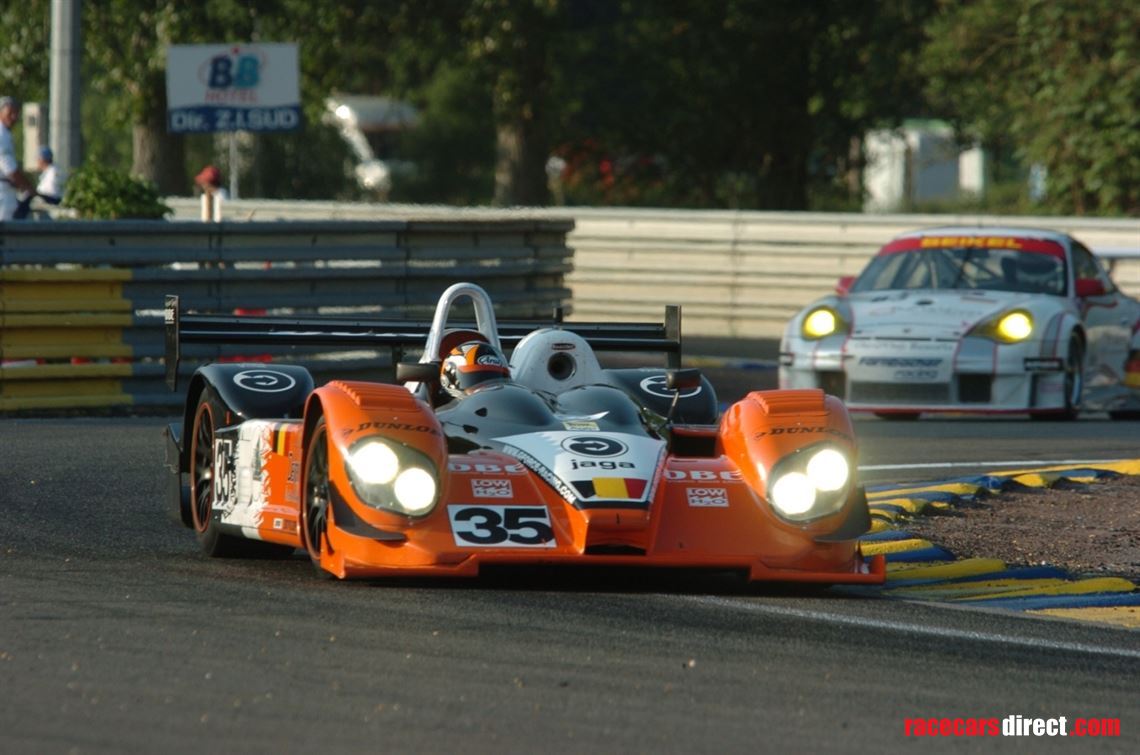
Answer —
203 468
1074 383
315 506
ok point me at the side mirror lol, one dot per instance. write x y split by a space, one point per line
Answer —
682 380
1089 287
844 284
417 372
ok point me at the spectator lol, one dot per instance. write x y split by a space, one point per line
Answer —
12 179
209 180
49 188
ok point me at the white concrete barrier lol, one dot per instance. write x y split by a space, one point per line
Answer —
736 273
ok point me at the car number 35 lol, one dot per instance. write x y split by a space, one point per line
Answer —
501 526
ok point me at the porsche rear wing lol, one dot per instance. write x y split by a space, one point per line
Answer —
183 328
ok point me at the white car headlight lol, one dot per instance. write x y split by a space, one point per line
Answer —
389 475
415 490
374 462
828 470
793 494
810 483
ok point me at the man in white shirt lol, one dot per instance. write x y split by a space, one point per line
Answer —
12 179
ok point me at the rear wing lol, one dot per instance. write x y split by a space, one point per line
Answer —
664 337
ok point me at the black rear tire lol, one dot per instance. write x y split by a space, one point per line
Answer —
213 541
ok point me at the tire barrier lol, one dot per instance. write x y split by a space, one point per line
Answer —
918 569
81 302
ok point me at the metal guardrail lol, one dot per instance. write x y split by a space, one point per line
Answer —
738 274
81 302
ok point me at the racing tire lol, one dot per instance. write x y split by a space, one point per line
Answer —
1124 414
1074 384
214 542
315 497
897 416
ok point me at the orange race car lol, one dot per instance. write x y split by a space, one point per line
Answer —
545 458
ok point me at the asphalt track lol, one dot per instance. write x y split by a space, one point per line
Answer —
117 636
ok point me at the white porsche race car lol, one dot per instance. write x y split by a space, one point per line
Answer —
969 319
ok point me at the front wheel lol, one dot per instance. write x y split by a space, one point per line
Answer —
1074 383
315 505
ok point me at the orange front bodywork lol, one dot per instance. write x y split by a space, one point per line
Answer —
702 511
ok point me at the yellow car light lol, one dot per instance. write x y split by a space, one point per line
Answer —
820 322
1016 326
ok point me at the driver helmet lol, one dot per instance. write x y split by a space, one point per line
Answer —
470 366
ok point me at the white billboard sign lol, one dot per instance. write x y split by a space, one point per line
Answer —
234 87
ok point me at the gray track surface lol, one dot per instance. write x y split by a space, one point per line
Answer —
117 636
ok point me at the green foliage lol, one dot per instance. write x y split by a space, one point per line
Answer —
96 192
679 103
453 148
1059 81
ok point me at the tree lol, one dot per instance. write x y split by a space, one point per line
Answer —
1059 79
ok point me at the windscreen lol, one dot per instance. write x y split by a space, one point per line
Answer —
965 267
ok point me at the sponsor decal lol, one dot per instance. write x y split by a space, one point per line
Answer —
575 464
1043 364
707 497
914 376
542 471
611 488
980 242
801 430
501 526
489 359
593 445
655 386
264 381
704 475
579 425
486 468
562 346
501 488
899 362
562 459
398 426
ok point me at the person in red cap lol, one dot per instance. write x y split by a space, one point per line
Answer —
209 180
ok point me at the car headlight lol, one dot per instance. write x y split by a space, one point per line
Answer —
1016 326
1011 327
810 483
821 322
415 490
392 476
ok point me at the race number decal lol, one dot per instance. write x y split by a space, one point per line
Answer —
501 526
